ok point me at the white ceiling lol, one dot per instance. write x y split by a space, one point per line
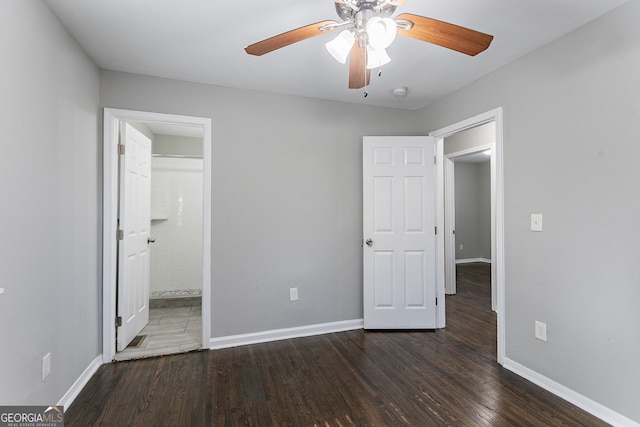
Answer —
203 41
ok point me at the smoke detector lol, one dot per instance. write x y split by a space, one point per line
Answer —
401 92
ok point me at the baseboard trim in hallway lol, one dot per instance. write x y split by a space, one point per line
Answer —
472 260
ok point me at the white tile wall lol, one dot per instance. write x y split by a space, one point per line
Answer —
176 224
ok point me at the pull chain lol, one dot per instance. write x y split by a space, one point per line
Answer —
365 71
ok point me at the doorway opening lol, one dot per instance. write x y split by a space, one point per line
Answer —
178 289
468 195
445 206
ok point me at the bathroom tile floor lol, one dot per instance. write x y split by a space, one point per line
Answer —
170 330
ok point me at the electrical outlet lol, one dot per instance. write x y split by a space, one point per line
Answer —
293 294
541 331
46 366
461 247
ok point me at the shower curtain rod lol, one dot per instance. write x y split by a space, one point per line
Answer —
178 156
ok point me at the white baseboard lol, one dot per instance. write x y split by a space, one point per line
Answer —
592 407
77 386
469 260
283 334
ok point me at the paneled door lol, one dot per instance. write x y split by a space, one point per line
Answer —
134 223
399 242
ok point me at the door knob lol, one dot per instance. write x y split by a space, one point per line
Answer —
150 240
369 242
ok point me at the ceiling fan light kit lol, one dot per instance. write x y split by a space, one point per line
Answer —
381 32
368 29
376 58
340 47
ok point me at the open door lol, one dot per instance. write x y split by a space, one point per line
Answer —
134 225
399 250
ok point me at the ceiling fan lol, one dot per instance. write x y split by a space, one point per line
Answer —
367 30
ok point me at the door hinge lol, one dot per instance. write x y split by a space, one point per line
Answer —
119 235
436 301
118 321
436 230
435 160
121 149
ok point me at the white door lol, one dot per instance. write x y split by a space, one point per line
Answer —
135 222
399 233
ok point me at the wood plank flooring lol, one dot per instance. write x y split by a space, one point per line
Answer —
357 378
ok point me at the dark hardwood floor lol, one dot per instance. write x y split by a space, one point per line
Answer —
447 377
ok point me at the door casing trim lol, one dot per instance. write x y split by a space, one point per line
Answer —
112 118
497 237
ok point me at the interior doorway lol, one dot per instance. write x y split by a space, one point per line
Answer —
469 195
497 216
173 292
182 156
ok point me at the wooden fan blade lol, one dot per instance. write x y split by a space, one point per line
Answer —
447 35
290 37
358 74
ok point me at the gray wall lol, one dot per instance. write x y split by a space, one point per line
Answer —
473 210
49 222
570 151
286 197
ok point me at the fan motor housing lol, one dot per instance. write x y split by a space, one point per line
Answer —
362 10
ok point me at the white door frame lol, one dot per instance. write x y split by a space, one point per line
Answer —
449 224
112 118
449 212
497 235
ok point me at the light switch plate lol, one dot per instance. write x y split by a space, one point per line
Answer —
536 222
